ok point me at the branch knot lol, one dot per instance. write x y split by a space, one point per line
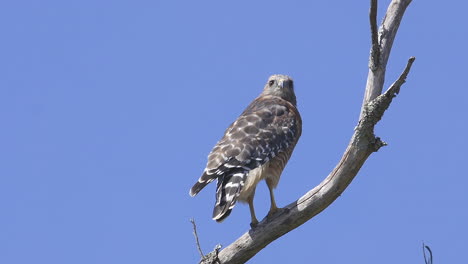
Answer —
212 257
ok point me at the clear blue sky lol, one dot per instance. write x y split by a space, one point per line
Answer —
108 110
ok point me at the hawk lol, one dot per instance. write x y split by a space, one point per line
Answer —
255 147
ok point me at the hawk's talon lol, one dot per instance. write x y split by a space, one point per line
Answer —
272 212
276 212
254 224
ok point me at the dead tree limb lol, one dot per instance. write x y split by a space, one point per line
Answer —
363 143
195 234
381 46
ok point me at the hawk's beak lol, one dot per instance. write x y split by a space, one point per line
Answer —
281 84
285 84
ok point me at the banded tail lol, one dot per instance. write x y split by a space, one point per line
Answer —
204 180
228 189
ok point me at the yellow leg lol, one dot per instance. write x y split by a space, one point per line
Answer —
273 207
254 220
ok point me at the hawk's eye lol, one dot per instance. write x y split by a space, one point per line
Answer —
271 82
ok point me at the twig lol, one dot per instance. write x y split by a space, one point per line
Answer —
196 237
402 79
391 92
375 50
211 257
426 260
374 110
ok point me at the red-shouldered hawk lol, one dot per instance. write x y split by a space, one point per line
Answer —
256 146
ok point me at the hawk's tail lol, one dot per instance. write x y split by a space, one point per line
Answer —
204 180
227 191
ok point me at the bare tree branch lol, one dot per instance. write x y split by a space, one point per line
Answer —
375 49
387 32
212 257
402 79
196 237
363 143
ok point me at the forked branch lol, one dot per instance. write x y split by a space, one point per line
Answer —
379 55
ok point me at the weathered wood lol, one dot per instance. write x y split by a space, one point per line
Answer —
387 32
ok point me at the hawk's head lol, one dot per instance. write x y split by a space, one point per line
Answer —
281 86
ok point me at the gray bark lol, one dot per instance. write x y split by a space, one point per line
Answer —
362 144
381 46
